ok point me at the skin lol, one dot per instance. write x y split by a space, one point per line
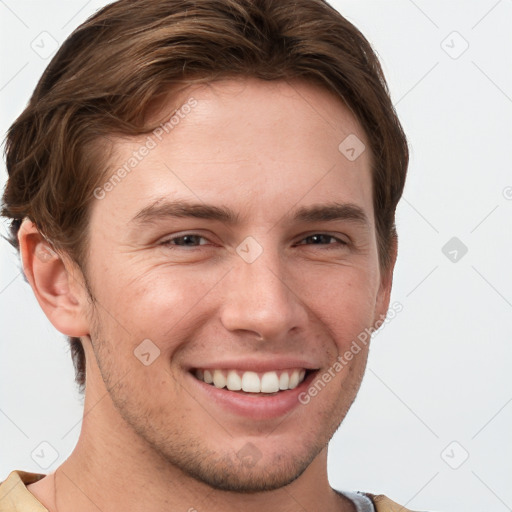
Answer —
150 440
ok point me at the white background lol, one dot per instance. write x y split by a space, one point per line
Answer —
438 372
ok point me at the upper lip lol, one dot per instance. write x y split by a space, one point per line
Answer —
257 365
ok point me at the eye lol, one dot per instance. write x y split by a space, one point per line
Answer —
187 240
323 239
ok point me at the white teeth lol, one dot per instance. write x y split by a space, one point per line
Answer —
233 382
269 383
251 382
294 379
219 381
284 380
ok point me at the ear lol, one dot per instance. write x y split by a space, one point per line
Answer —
57 284
386 282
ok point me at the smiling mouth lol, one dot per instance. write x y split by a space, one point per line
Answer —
267 383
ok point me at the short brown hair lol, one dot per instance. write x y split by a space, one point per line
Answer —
106 74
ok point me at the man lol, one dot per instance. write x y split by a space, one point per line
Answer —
203 195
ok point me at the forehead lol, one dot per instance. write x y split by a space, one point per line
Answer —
262 147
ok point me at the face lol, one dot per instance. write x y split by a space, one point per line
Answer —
240 247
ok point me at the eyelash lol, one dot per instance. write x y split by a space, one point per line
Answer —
168 242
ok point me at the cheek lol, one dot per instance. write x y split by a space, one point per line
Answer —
343 300
159 303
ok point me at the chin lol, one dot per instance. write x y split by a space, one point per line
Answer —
249 477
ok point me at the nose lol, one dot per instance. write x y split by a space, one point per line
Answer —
259 298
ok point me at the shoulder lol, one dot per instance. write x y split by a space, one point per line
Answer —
14 495
366 502
384 504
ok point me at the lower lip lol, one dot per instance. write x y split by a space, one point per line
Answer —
253 405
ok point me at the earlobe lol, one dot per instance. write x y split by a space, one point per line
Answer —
57 290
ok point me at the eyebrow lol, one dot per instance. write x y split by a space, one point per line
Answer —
161 209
